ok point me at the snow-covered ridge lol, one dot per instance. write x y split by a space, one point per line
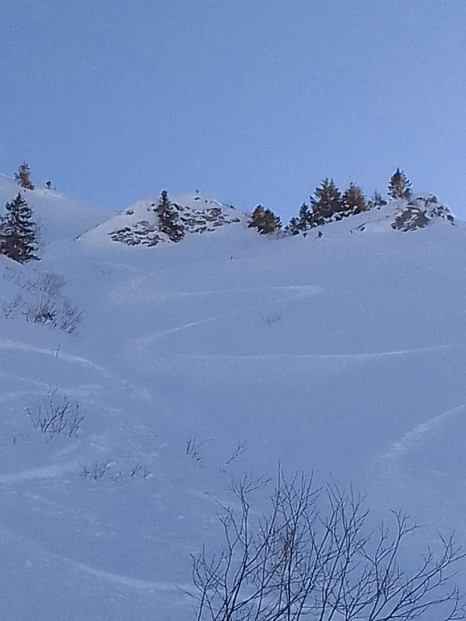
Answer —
59 217
62 219
138 224
421 210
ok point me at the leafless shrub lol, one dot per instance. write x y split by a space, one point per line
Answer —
97 471
49 283
302 562
10 308
69 317
40 300
41 310
271 318
57 415
240 449
104 470
139 471
193 449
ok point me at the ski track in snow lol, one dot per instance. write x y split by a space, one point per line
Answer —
146 341
112 577
127 580
412 438
43 472
295 290
355 356
58 354
27 380
120 294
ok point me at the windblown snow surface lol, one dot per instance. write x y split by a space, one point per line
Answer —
194 363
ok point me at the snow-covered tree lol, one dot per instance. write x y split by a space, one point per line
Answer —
23 176
399 185
18 231
169 222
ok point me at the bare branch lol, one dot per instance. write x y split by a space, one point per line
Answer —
303 561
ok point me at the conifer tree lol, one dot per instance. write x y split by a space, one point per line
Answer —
326 202
302 222
169 222
376 200
304 217
264 220
292 226
18 231
399 186
354 200
23 176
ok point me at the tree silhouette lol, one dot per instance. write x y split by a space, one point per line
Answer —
23 176
399 186
18 231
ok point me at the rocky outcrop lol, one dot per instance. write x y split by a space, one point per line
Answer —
196 214
420 211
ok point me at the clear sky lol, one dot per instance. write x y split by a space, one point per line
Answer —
250 101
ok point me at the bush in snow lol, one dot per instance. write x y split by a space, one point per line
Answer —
40 300
302 561
57 415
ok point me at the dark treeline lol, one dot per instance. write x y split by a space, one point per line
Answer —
328 204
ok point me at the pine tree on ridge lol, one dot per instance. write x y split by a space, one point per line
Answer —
354 200
399 186
23 177
326 202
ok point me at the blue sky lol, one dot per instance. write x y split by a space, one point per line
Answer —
251 101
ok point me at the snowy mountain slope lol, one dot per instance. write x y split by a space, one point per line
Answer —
343 354
59 218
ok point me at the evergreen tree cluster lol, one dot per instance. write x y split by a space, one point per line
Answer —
18 231
328 204
264 220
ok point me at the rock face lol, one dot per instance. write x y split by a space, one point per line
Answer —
418 212
138 225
